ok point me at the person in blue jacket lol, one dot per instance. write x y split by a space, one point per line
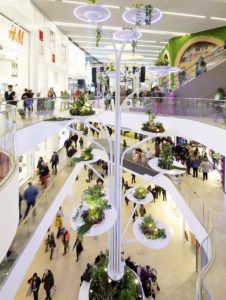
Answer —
30 195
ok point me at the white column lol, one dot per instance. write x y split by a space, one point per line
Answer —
115 266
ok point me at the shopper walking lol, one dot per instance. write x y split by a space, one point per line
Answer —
164 195
195 166
20 200
39 165
52 245
55 161
58 224
79 248
48 281
205 167
142 210
67 144
188 162
81 142
65 240
90 175
44 174
34 283
133 178
147 155
30 195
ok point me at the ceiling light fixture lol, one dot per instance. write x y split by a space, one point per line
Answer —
218 19
183 14
114 28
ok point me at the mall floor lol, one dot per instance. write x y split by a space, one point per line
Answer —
174 264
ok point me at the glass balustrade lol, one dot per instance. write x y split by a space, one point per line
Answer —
7 141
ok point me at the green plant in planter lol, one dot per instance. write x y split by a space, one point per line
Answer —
111 67
151 126
57 119
94 191
140 193
166 157
22 113
161 62
92 1
81 107
101 287
150 230
87 154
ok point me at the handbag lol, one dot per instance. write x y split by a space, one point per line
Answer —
29 292
53 291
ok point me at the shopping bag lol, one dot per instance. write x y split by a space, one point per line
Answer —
29 292
53 291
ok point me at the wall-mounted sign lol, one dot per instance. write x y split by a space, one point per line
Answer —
41 35
16 34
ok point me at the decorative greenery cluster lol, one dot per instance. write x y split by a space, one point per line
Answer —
162 62
55 119
91 209
81 107
147 10
150 230
92 1
102 287
86 155
140 193
166 157
151 126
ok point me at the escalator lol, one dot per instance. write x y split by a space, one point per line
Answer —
206 84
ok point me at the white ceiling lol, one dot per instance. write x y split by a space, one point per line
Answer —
153 40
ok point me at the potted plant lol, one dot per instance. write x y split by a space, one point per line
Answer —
102 287
166 157
140 193
151 126
150 230
57 119
161 62
91 210
81 107
86 156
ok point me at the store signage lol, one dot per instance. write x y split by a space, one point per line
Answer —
41 35
16 34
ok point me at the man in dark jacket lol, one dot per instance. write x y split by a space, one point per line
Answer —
10 95
55 161
30 195
48 281
35 282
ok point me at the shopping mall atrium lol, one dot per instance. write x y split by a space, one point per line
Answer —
112 149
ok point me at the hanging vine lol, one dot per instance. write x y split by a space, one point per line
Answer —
134 46
98 36
148 14
92 1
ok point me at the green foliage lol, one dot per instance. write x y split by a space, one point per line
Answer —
98 36
166 157
161 62
148 14
140 193
91 209
81 107
150 230
57 119
111 67
102 287
92 1
175 44
150 126
87 154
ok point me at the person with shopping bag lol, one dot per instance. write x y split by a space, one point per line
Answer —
34 284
